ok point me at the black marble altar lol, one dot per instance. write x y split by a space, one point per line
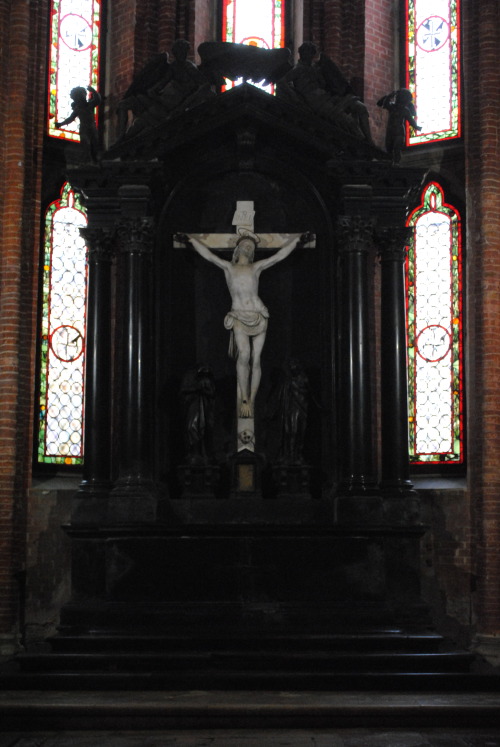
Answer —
339 545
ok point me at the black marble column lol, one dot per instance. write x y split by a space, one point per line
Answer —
96 482
395 476
355 431
133 499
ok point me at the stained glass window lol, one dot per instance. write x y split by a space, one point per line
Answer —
433 68
259 23
73 59
62 344
434 317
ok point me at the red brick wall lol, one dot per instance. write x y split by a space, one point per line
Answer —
146 32
167 24
314 13
352 42
121 57
21 131
359 37
482 83
379 68
138 29
337 28
121 45
204 23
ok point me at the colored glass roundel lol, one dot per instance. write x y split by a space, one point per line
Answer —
62 348
433 68
259 23
73 59
434 317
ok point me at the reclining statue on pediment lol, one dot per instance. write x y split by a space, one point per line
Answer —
161 89
323 88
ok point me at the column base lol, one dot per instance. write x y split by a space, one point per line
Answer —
133 501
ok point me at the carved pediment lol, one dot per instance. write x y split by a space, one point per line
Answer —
222 118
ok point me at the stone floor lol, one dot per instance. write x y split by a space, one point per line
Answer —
249 719
259 738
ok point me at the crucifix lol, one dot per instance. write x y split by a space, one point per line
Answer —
248 318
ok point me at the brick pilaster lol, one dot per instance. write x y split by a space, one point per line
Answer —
21 132
482 82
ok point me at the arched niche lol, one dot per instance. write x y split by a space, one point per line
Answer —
192 299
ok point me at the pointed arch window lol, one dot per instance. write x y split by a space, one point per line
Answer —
435 331
258 23
73 58
433 68
62 343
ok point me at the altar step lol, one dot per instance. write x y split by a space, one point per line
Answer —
390 639
92 717
385 661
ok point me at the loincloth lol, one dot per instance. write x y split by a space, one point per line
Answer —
252 323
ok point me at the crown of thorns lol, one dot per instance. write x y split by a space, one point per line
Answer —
247 235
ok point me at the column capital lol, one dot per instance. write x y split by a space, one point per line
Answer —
136 235
392 242
355 233
99 241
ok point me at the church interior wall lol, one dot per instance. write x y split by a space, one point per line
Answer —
23 92
460 558
481 80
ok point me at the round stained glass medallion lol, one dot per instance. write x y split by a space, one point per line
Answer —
75 32
433 343
433 33
66 343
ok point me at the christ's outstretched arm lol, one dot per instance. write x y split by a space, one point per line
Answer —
286 249
202 250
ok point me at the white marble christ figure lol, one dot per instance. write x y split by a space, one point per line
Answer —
248 317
